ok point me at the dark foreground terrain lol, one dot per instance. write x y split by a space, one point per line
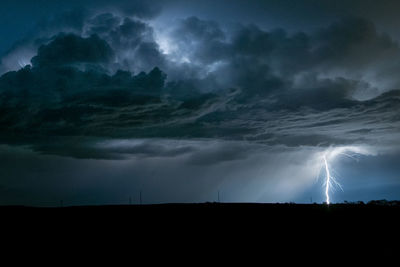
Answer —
374 213
271 211
210 226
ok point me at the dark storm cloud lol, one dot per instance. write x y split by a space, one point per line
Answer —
205 36
132 39
293 15
82 18
113 76
178 99
70 49
265 61
98 148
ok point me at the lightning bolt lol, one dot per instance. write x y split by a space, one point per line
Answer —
328 180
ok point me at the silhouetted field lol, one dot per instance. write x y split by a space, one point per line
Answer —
377 210
362 227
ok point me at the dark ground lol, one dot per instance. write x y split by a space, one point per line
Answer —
310 227
338 215
213 210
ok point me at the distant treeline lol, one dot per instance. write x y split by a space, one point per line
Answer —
382 202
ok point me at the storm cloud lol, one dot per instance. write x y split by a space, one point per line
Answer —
140 81
240 84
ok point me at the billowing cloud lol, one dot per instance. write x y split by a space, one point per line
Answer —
149 91
132 39
71 49
116 76
72 88
350 52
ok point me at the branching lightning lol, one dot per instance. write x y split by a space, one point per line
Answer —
330 181
329 155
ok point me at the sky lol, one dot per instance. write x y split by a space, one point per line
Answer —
180 100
